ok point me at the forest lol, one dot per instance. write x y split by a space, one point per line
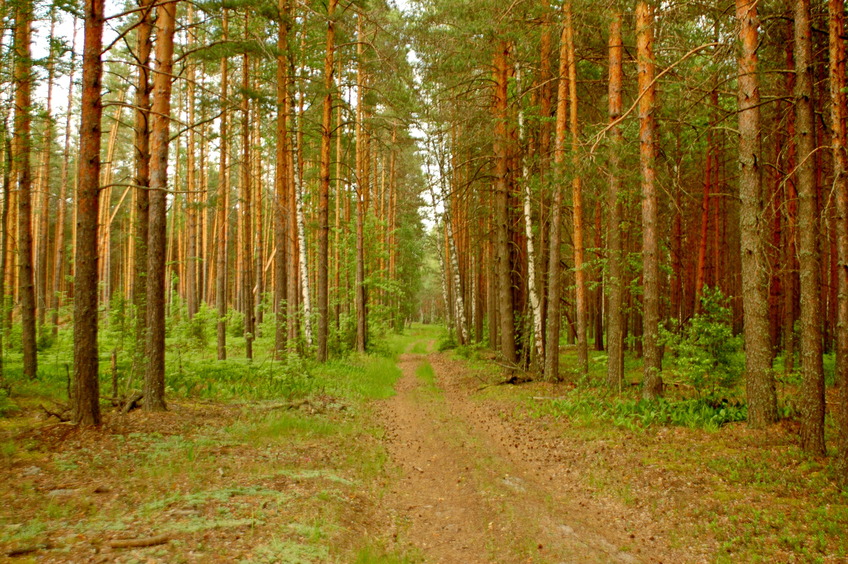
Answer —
630 213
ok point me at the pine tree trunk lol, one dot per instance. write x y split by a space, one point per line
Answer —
653 385
222 207
59 249
577 204
615 280
142 177
282 216
323 289
502 252
23 183
41 268
554 310
86 392
762 398
812 403
4 236
191 260
154 378
360 298
839 140
246 211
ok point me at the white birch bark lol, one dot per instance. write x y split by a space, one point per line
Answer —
535 303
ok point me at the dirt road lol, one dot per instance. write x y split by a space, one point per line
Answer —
472 485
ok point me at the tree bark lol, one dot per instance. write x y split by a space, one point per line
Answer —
361 297
653 385
246 210
323 289
615 281
23 183
502 253
222 207
762 397
59 249
142 176
577 203
86 391
535 302
154 378
554 310
43 241
812 401
839 140
282 216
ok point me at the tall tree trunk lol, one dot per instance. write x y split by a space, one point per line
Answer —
501 216
86 391
41 268
762 398
59 250
282 216
246 211
305 292
4 236
577 203
154 378
554 311
839 141
23 182
615 281
142 177
360 298
535 302
222 207
192 261
653 385
324 192
812 404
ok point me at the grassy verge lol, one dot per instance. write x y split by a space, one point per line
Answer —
263 461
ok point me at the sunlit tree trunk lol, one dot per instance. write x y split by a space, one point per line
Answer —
86 391
154 378
23 182
554 310
652 386
762 398
577 203
615 280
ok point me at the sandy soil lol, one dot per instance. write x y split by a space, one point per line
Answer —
475 484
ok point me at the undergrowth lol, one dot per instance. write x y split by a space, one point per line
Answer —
586 405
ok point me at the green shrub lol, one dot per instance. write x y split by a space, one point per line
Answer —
704 352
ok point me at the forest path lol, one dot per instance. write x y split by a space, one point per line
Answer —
469 488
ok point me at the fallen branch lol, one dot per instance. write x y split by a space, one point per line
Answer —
139 543
132 402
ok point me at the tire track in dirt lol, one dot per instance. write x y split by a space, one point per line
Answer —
461 496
